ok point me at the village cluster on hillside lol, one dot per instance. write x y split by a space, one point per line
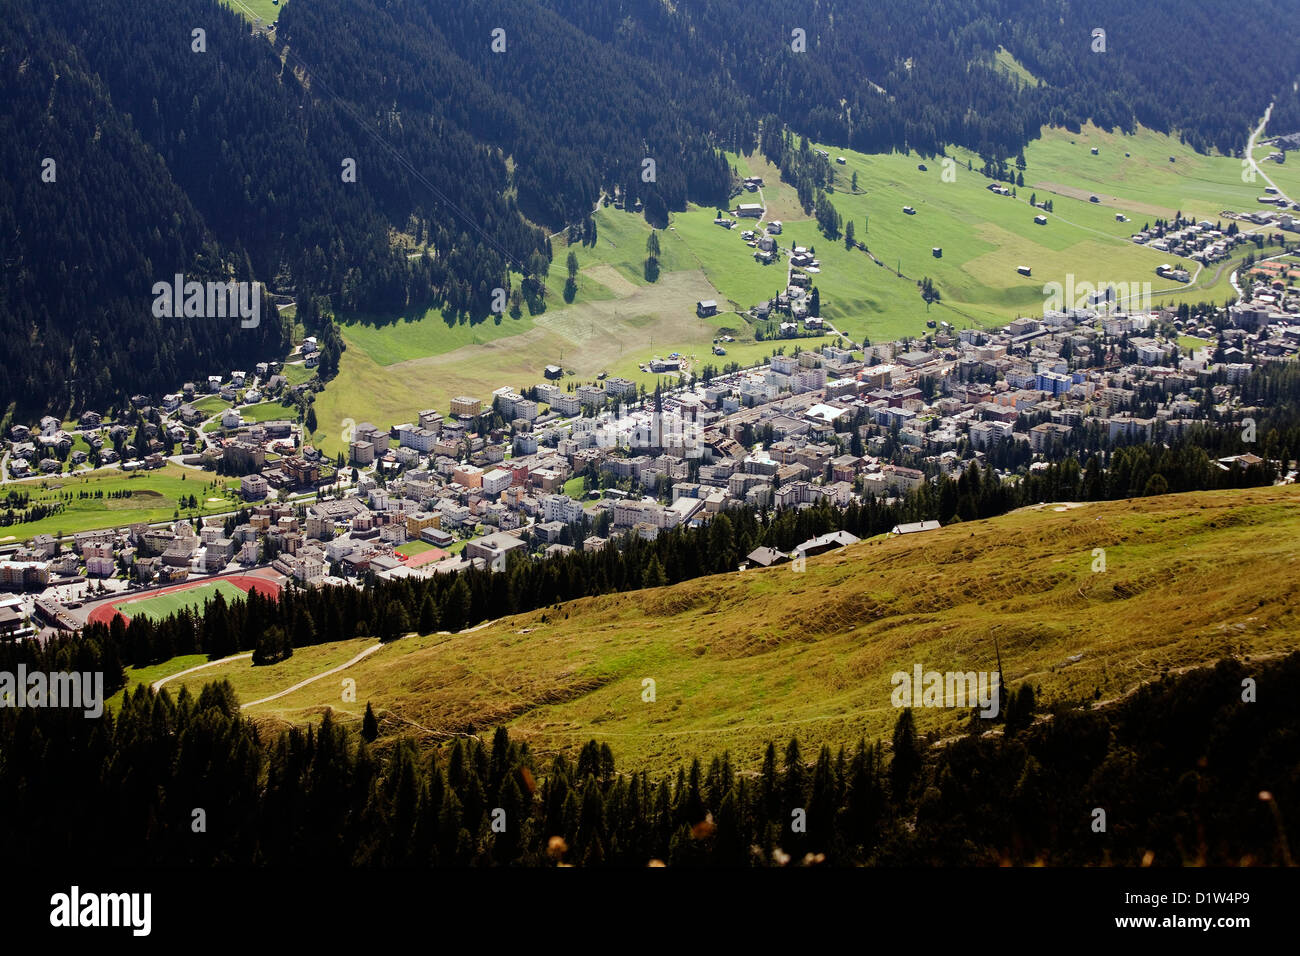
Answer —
48 448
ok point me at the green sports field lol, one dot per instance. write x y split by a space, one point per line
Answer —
194 598
412 548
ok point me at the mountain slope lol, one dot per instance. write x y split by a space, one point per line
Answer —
90 219
739 659
473 155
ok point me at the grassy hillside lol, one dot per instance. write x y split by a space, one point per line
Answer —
147 675
742 658
253 683
985 237
397 365
1285 175
1007 64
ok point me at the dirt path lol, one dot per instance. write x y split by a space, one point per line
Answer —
225 660
311 680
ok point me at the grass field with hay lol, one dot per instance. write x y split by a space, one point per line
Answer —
390 372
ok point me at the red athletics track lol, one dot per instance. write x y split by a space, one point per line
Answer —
424 557
104 613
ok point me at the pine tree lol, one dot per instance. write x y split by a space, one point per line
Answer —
794 782
456 609
369 725
270 647
722 543
823 802
652 256
1156 485
428 615
865 802
395 622
1020 710
768 795
653 576
304 629
906 763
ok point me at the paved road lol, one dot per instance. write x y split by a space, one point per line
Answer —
1233 278
1250 154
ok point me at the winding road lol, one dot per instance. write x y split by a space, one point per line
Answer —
1250 154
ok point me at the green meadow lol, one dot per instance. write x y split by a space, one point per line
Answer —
255 682
1004 62
147 675
268 10
725 259
394 367
621 245
1136 170
298 373
985 237
267 412
416 335
211 404
154 497
1285 175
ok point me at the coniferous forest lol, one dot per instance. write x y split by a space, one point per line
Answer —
227 162
323 796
